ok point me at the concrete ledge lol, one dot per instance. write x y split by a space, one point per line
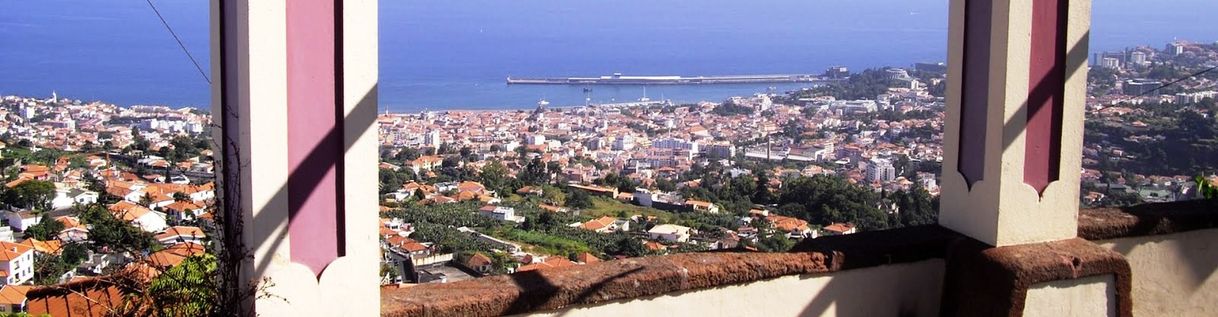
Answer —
875 248
988 281
981 280
1147 219
549 289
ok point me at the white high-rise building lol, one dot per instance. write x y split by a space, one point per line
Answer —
723 150
1110 63
1175 48
1138 58
763 102
534 139
676 144
623 143
881 170
432 139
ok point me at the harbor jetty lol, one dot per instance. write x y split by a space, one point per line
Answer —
619 79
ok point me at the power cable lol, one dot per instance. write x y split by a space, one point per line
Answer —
1202 72
179 40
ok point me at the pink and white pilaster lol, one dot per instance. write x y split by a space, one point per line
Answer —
296 98
1013 136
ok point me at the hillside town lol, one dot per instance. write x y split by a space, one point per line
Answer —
93 189
735 174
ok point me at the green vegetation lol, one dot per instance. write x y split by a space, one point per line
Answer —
496 178
547 232
457 215
47 228
866 85
35 195
916 207
1176 141
439 223
113 234
729 108
22 314
1206 189
49 267
822 199
622 184
188 289
829 199
579 199
602 207
546 243
450 239
534 173
390 181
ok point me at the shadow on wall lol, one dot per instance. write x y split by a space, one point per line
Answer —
1044 90
1194 240
1195 255
542 291
842 297
361 119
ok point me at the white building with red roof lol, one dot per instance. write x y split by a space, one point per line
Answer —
16 263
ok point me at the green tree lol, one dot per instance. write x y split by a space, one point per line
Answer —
628 246
495 177
1205 188
46 229
31 194
188 289
762 194
408 154
48 268
74 253
112 233
665 184
916 207
579 199
388 181
553 195
775 242
729 108
534 173
829 199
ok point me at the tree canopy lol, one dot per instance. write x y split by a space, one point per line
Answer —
33 194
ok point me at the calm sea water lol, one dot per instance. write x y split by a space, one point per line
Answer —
456 54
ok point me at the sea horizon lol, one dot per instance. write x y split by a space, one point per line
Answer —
443 55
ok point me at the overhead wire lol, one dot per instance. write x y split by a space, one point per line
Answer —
1168 84
179 40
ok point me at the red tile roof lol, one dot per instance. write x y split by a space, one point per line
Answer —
181 231
10 250
13 294
175 254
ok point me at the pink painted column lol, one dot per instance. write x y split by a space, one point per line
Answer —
314 131
1046 90
974 84
1014 128
296 100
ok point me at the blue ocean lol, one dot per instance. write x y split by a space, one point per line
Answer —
456 54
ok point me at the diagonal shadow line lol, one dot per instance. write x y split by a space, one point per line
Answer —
537 291
1043 91
582 297
357 123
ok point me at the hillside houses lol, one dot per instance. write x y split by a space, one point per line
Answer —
140 216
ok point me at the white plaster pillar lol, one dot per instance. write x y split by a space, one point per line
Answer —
295 97
1013 137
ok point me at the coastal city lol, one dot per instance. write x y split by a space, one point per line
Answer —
94 189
